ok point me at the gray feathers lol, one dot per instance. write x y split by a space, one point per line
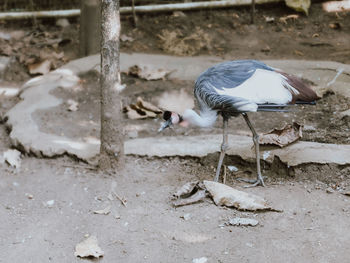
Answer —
226 75
230 74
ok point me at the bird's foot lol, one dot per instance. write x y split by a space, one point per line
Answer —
256 182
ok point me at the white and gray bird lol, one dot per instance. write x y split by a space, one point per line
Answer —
237 87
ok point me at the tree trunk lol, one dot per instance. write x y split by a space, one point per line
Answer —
112 150
90 29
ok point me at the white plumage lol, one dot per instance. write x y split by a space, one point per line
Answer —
237 87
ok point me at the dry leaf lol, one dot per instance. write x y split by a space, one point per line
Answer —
141 110
148 73
285 18
105 211
299 53
13 158
335 25
88 248
42 67
224 195
196 197
299 5
147 106
186 190
282 137
239 221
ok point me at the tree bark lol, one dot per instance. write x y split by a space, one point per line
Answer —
90 29
112 150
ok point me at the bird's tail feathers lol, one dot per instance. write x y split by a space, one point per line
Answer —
301 92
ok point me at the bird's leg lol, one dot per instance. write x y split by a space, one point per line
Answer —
224 146
259 180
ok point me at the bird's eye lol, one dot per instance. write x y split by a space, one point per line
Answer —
166 115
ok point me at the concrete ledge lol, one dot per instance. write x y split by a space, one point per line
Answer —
37 95
242 146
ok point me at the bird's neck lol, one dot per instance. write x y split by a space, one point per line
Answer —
205 119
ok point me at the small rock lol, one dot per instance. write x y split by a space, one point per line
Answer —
329 190
4 62
133 134
50 203
179 14
200 260
309 128
13 158
62 22
232 168
8 90
29 196
249 244
345 113
5 36
266 155
125 38
269 19
72 105
88 248
17 34
186 216
238 221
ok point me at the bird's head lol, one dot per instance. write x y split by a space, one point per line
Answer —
171 118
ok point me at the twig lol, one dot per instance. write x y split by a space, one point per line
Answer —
252 14
134 12
224 179
120 199
80 166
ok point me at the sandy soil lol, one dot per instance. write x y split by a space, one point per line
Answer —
313 224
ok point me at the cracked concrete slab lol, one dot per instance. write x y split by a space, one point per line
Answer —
25 131
38 95
242 146
188 68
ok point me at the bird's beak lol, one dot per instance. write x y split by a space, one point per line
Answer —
165 125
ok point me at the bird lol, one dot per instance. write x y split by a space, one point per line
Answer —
239 87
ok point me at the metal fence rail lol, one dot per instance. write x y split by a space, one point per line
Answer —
39 5
35 5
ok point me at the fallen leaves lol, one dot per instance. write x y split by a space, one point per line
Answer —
196 197
282 137
88 248
224 195
38 50
148 72
178 43
42 67
189 193
141 110
104 211
335 25
299 5
284 19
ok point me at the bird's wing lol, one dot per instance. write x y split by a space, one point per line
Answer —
231 74
224 103
244 84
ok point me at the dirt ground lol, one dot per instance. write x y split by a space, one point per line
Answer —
312 226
